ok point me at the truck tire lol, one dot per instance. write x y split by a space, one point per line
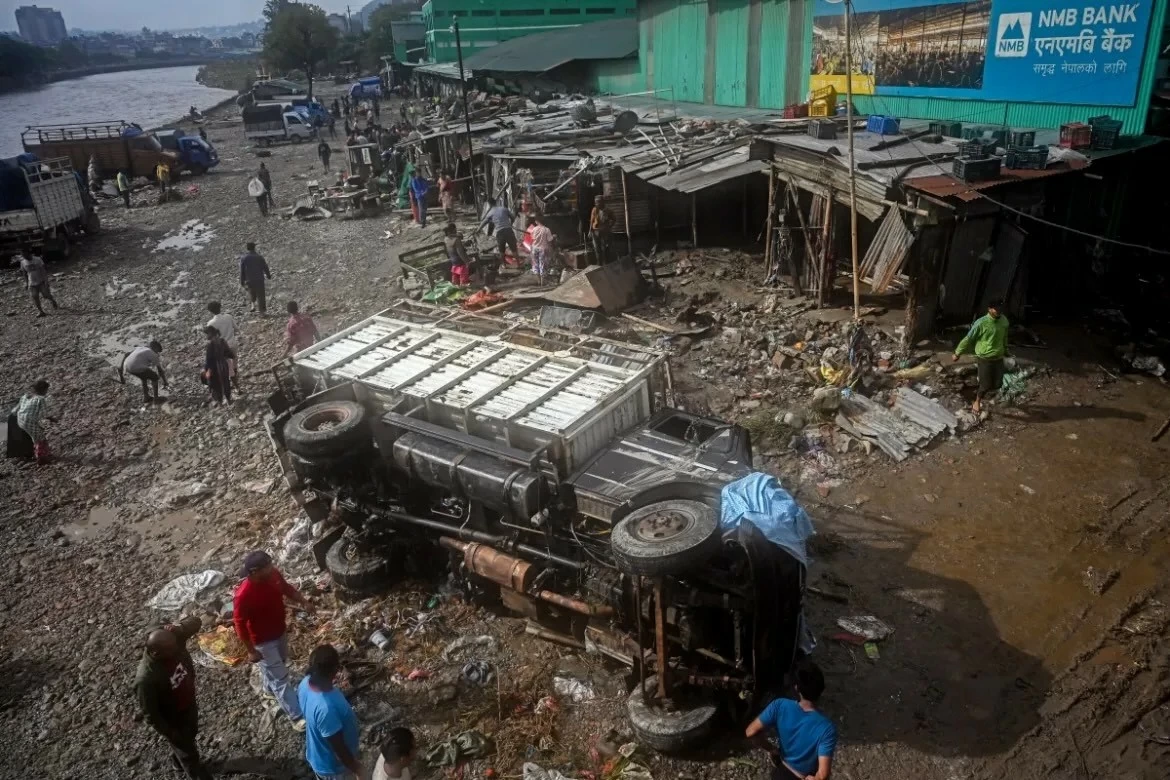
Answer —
328 429
296 139
673 730
355 570
93 224
666 537
198 170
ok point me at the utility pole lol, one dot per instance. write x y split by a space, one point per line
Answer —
466 113
852 164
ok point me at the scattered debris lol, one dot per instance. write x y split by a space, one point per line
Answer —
184 589
462 747
866 626
1099 581
576 691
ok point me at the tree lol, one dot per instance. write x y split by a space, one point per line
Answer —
380 38
300 37
271 9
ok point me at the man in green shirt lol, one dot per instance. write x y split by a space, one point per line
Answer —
988 339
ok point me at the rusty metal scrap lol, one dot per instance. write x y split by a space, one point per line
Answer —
887 252
896 435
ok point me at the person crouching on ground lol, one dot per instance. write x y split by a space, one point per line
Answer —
217 372
300 332
808 739
331 727
258 615
988 339
31 413
165 688
146 364
396 755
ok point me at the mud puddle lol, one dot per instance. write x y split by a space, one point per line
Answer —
155 531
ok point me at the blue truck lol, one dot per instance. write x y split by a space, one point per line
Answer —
195 154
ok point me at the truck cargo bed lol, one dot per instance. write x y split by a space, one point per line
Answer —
509 387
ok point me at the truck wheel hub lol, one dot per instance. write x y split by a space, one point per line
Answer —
324 420
662 526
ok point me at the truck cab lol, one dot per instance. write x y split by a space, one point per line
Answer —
196 155
316 113
267 123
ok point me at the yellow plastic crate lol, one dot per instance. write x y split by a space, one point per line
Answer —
828 94
822 108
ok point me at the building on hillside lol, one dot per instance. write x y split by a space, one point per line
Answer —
484 23
41 26
345 24
1029 64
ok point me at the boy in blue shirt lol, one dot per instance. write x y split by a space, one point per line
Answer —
807 738
331 727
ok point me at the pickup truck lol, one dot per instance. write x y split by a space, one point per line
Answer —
267 123
116 146
197 155
42 203
317 113
542 470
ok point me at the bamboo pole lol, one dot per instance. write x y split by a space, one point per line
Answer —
626 210
694 222
771 208
852 164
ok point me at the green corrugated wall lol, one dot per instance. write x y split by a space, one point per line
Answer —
708 51
618 77
731 52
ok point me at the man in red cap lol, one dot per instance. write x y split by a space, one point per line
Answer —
258 613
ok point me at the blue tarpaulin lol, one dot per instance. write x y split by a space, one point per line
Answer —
759 499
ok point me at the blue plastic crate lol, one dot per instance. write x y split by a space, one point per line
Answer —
882 125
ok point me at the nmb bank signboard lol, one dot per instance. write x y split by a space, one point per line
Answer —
1041 51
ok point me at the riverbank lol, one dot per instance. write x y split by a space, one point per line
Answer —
236 74
35 80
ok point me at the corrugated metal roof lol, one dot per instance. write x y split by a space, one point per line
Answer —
606 40
946 185
444 70
921 410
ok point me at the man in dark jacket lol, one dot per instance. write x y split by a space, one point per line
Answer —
253 272
265 177
165 687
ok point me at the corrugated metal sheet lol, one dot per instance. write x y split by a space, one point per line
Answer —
922 411
774 55
731 41
965 263
680 46
618 77
897 436
949 186
543 51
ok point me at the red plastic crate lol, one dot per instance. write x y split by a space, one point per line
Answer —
1076 135
796 111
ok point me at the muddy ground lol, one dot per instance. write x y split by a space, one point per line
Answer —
1007 660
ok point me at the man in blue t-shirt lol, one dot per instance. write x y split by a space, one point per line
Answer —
807 738
331 728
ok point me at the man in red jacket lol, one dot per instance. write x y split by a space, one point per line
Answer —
259 616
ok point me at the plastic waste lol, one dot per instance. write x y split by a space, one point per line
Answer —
866 626
184 589
484 640
576 691
759 499
478 672
530 771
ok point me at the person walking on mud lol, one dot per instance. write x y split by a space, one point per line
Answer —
300 332
217 372
122 181
162 172
165 689
30 415
253 272
38 278
987 338
324 152
226 325
259 192
265 177
258 615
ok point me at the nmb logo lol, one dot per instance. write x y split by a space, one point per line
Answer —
1013 34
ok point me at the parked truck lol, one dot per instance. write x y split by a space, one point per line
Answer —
42 203
543 470
115 146
197 155
313 108
268 123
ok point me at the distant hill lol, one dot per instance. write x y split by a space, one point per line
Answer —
369 8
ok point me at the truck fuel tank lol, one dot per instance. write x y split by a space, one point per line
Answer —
476 476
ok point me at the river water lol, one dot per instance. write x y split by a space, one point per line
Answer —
148 97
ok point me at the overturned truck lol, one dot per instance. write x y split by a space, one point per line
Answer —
547 470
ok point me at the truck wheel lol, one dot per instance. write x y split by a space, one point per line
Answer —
198 170
93 224
327 429
296 139
354 569
670 730
666 537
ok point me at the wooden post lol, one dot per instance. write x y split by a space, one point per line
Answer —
694 222
809 255
771 208
626 210
744 199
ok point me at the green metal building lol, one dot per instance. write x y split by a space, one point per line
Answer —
484 23
760 54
